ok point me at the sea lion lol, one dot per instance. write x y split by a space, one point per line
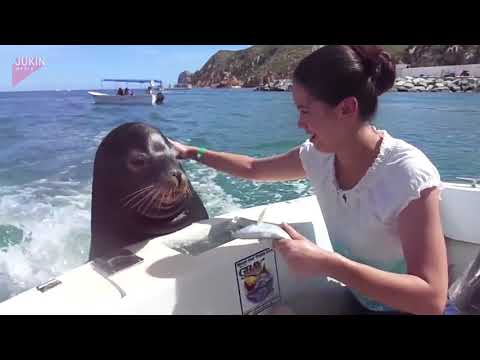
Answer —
139 190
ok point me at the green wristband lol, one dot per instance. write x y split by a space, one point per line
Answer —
200 152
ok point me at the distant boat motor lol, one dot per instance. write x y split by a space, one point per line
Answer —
159 98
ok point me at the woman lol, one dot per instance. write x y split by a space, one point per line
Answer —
379 195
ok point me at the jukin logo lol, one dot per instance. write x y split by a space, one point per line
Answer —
24 66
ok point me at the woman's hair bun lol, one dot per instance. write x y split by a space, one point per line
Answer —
378 65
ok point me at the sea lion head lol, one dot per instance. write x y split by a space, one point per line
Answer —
136 165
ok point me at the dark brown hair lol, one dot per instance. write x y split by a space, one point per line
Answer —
335 72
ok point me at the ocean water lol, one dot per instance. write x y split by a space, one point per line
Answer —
48 142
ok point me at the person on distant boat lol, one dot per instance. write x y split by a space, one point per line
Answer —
120 92
379 195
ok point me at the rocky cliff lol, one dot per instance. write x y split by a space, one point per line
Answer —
250 67
265 64
185 78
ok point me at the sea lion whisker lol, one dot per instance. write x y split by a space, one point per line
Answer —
136 195
153 200
152 194
162 197
170 196
158 199
137 191
144 202
147 204
139 203
166 197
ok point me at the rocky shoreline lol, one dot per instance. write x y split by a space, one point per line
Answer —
422 83
277 85
403 84
437 84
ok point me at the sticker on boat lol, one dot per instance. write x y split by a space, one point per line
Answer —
257 280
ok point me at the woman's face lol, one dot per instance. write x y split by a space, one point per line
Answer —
325 124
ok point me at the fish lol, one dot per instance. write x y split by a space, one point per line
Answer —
208 234
261 231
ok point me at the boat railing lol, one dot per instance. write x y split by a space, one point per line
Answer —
473 181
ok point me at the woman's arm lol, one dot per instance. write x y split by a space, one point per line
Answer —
276 168
423 290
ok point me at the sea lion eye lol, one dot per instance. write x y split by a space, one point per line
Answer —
158 147
138 160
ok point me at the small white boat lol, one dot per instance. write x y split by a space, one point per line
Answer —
218 280
150 96
140 99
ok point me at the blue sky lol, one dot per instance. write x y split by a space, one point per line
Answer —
83 66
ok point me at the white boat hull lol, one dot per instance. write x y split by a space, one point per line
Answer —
140 99
459 210
170 282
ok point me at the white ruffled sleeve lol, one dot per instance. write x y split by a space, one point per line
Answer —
313 161
404 180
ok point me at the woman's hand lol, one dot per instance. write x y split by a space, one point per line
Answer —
183 151
303 256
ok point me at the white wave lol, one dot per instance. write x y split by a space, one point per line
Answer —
215 199
301 187
56 238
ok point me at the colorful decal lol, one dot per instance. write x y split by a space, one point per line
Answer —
257 280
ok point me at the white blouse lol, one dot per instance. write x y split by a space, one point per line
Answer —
363 222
